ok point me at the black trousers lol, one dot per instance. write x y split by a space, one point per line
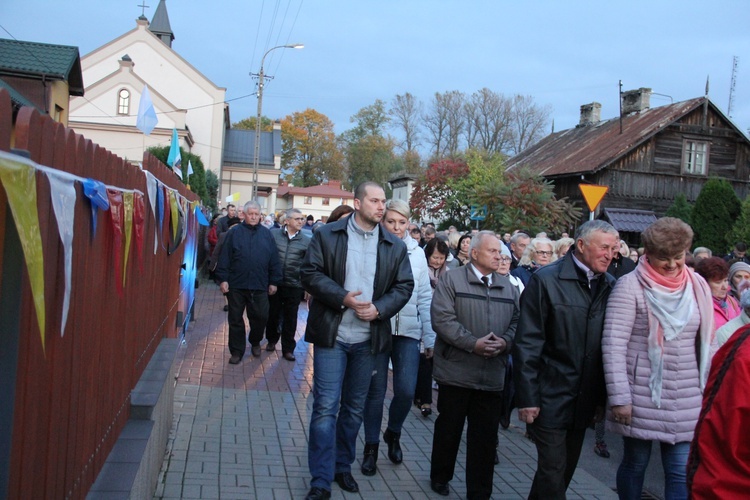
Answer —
481 409
283 305
558 451
423 391
255 302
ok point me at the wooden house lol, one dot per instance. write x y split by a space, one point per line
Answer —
646 156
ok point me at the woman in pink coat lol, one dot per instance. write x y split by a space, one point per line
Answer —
656 318
715 271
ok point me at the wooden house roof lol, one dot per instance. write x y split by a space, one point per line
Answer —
588 149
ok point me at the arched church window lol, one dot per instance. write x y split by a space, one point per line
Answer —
123 102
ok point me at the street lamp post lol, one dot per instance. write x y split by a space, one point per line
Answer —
261 82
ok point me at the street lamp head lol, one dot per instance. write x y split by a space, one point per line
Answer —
296 46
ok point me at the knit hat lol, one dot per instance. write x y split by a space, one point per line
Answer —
737 267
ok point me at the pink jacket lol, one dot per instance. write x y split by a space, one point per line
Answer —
627 369
721 316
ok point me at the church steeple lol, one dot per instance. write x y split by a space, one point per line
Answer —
160 24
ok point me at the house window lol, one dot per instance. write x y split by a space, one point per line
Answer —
308 200
326 201
694 157
123 102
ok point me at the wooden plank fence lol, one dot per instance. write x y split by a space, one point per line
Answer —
70 400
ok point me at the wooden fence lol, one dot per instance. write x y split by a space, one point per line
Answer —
64 405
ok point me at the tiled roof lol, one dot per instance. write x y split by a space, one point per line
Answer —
629 220
588 149
33 59
17 99
322 190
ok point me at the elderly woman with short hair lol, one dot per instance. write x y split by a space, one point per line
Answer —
538 253
657 317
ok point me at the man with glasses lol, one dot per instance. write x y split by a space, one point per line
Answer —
292 244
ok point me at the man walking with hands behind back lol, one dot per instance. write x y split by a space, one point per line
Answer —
474 313
557 356
248 272
359 276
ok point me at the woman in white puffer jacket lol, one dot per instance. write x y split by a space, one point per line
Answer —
410 326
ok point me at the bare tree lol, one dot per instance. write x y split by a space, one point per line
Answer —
490 114
405 113
454 105
436 123
528 123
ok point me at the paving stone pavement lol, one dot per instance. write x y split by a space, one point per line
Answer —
240 431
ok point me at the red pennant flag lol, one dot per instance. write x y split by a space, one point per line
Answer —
139 219
115 211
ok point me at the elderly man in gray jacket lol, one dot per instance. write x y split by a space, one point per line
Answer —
474 313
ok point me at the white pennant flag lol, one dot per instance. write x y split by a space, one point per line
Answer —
63 194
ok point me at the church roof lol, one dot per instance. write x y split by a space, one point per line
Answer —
37 60
160 23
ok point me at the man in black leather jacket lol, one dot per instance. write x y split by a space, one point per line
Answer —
557 355
359 276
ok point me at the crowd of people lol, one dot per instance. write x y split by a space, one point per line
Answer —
574 332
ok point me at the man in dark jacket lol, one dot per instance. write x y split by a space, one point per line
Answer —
557 356
248 272
475 313
292 244
359 276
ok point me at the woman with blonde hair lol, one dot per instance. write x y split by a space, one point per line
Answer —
410 326
537 254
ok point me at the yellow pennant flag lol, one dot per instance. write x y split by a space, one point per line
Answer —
19 181
127 200
174 213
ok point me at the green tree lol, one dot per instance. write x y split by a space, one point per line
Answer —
310 152
714 213
526 201
197 179
680 209
741 229
369 153
212 190
438 194
266 124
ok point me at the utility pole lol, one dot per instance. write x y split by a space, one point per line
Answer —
732 85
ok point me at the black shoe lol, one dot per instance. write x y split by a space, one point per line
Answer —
426 410
226 308
369 462
497 457
255 350
394 447
235 359
346 482
317 494
440 488
270 347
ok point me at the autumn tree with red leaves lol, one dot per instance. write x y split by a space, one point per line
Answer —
438 195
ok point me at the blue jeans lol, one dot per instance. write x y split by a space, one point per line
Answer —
405 356
341 378
636 454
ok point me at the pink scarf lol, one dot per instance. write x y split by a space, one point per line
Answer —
671 302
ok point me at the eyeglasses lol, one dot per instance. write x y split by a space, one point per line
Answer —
505 259
544 252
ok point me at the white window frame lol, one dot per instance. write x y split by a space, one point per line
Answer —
123 102
695 157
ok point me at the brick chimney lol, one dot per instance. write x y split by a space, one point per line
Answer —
591 114
334 184
635 101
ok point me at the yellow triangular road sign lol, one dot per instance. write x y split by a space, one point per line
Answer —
593 194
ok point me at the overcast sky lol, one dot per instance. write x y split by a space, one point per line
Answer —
562 53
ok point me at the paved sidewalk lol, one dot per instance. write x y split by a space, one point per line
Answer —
240 431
